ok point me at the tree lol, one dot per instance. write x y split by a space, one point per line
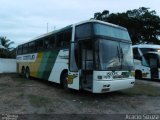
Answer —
143 25
6 43
5 50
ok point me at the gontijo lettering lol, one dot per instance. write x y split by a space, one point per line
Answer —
29 57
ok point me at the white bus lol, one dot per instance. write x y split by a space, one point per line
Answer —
147 61
92 55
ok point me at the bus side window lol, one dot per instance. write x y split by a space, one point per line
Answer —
47 43
59 40
136 54
25 48
31 47
19 51
64 38
52 41
39 44
67 38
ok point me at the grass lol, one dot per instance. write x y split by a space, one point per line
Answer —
4 85
39 101
143 89
22 81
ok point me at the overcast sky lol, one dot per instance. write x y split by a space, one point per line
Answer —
22 20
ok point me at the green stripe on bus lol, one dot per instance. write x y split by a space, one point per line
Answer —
50 64
42 65
46 64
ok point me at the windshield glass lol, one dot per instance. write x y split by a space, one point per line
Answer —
111 31
113 55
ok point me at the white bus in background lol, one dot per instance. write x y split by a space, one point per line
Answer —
92 55
147 61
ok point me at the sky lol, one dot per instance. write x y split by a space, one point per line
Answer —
23 20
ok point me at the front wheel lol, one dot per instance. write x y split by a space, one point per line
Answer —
138 75
64 78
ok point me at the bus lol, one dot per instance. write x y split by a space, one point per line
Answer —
92 55
147 61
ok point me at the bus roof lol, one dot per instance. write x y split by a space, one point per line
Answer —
102 22
76 24
146 46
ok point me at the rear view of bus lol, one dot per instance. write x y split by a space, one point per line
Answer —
100 57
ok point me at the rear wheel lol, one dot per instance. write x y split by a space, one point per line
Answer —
23 72
27 73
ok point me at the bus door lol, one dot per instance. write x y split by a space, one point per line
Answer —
85 61
153 62
73 74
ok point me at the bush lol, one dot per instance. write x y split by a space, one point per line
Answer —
7 54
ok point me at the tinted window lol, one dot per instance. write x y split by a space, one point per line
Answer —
52 41
67 38
83 31
39 44
59 40
19 51
105 30
49 42
31 46
64 38
25 48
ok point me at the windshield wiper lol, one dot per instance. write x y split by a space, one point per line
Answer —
118 54
121 52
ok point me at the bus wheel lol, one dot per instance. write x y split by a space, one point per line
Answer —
63 80
27 73
23 72
138 74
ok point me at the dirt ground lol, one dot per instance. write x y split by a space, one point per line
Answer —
22 96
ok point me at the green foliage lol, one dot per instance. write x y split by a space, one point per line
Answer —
143 25
5 50
6 43
7 54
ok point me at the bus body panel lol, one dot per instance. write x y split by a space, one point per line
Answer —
146 73
61 64
73 80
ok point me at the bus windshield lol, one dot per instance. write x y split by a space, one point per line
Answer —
113 55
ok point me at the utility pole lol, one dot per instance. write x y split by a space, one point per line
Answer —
47 27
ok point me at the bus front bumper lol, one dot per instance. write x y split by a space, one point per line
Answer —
100 86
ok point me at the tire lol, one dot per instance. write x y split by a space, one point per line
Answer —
23 72
27 73
138 75
63 80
